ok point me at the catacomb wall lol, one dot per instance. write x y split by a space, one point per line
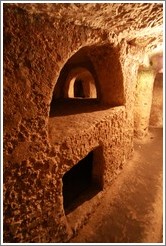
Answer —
148 95
143 101
36 154
156 113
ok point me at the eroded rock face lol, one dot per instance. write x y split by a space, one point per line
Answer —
139 23
37 45
156 116
143 101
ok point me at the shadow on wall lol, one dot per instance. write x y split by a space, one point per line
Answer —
71 106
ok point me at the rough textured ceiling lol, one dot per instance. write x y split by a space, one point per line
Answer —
139 23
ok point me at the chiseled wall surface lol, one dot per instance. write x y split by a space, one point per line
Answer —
130 57
143 101
156 115
36 47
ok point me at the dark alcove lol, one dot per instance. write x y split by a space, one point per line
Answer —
77 180
78 89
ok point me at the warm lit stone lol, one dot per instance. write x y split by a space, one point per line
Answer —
73 86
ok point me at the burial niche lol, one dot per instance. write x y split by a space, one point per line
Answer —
82 181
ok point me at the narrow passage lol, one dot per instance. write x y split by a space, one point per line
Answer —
131 210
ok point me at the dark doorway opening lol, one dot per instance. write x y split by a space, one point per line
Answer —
80 183
78 89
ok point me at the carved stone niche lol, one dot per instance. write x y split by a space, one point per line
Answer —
83 181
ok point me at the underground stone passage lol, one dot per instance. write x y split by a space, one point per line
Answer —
78 88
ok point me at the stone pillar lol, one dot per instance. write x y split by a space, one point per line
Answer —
156 115
143 101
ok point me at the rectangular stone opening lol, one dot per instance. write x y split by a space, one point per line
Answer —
82 181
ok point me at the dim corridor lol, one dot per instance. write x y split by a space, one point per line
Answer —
131 209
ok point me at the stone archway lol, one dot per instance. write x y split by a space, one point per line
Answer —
99 69
80 83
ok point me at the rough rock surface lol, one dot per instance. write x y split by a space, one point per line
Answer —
131 210
156 117
136 22
143 101
39 39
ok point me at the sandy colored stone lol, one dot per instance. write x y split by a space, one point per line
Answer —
43 140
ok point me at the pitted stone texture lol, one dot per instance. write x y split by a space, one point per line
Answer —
37 44
140 23
143 101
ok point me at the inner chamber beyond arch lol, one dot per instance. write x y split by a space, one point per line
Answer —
94 74
80 83
78 67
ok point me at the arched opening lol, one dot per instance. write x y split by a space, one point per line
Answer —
98 70
88 94
78 67
80 83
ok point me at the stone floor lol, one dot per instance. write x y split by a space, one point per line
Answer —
131 210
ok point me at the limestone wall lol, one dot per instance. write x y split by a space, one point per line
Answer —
34 54
156 114
143 101
36 48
